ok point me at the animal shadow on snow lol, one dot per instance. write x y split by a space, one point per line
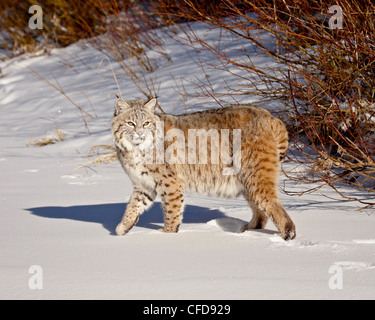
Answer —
109 215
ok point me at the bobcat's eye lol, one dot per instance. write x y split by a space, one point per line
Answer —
131 124
146 124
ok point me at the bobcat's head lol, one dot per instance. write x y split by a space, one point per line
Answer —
134 123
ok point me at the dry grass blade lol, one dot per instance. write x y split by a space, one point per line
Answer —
51 138
104 154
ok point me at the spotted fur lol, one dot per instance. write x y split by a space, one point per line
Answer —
264 141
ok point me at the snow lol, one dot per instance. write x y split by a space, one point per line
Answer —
63 219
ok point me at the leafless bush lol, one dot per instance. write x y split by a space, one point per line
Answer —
324 75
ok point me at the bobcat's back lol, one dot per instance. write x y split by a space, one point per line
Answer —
253 122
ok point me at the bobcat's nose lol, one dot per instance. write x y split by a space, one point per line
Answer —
139 134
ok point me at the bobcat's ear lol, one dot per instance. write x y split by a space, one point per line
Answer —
121 106
151 105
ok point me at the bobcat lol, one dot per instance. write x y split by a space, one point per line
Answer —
159 153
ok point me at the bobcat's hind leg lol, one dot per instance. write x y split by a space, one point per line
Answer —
260 181
139 202
259 219
272 208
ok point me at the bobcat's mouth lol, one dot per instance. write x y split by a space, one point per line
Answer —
141 140
138 139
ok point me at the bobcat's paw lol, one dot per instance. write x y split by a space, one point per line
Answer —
164 230
245 228
252 226
121 230
290 232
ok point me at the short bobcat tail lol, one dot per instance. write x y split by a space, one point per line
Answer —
281 137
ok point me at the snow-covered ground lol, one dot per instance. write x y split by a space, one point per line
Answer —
62 219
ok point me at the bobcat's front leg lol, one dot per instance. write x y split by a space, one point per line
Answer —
173 201
139 202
